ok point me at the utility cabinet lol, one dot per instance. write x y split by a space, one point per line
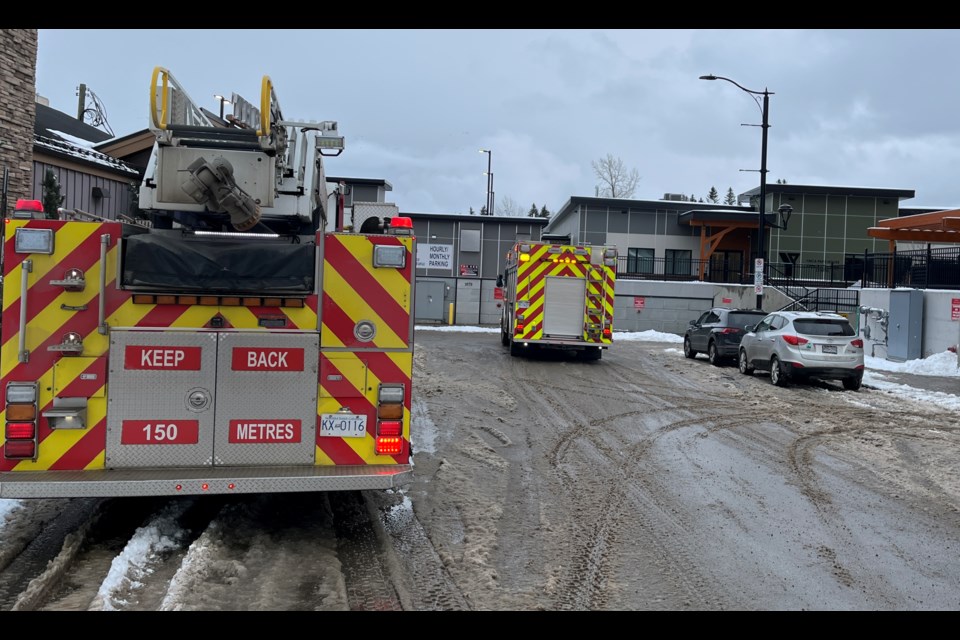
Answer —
905 331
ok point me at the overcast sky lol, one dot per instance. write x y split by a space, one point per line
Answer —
874 108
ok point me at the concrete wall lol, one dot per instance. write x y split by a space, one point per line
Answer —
939 331
18 61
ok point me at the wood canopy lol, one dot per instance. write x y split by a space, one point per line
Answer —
935 227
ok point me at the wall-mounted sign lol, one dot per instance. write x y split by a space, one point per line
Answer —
469 269
727 300
639 302
435 256
955 309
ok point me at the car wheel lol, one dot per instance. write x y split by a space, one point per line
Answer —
715 358
853 383
744 364
777 375
687 349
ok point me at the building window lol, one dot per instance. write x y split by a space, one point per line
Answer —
639 260
677 262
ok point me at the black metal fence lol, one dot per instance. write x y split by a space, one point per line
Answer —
930 268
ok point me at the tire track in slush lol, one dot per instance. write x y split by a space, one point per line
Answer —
585 587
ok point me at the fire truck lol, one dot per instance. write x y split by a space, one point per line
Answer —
247 341
558 296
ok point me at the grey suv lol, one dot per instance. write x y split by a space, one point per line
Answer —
795 345
717 333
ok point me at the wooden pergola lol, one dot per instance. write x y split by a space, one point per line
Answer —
709 244
936 228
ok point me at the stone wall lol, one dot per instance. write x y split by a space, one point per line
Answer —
18 63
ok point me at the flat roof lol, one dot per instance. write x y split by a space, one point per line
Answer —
466 217
379 182
833 190
628 203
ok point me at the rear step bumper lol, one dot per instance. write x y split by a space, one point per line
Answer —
198 481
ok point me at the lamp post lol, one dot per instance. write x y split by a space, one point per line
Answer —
489 174
761 249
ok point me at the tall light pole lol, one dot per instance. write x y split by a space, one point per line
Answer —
761 250
489 175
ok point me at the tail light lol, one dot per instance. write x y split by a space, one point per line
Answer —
858 343
20 432
729 330
606 333
519 328
389 436
794 340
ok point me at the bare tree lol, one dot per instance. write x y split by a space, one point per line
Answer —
506 206
615 180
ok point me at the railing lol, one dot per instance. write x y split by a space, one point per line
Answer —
923 268
640 268
845 301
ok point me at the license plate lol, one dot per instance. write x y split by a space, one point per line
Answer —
343 425
829 348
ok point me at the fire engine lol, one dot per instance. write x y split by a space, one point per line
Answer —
558 296
248 341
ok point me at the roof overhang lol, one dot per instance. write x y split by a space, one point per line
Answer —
935 227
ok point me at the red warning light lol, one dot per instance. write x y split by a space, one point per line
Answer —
204 486
231 486
179 487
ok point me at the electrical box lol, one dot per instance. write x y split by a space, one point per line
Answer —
905 331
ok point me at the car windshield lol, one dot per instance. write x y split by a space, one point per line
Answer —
741 319
823 327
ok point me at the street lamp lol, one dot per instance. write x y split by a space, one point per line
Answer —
761 252
489 174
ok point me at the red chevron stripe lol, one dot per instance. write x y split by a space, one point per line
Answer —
387 370
339 258
85 450
338 450
338 322
41 359
42 293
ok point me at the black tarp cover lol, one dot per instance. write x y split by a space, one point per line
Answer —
176 262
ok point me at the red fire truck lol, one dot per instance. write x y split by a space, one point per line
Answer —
239 342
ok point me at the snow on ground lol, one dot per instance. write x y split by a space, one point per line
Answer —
939 364
7 507
425 432
136 560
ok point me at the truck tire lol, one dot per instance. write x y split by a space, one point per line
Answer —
504 338
591 354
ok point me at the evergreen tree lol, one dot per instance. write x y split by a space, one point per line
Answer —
544 212
713 196
483 211
472 211
731 198
701 199
51 194
693 198
533 211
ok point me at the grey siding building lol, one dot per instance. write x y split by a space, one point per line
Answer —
458 260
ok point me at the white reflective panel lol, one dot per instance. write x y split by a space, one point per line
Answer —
393 393
21 392
389 256
34 240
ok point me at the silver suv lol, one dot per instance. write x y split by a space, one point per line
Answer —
795 345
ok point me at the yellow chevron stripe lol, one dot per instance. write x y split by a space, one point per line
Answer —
50 267
356 308
330 339
393 281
